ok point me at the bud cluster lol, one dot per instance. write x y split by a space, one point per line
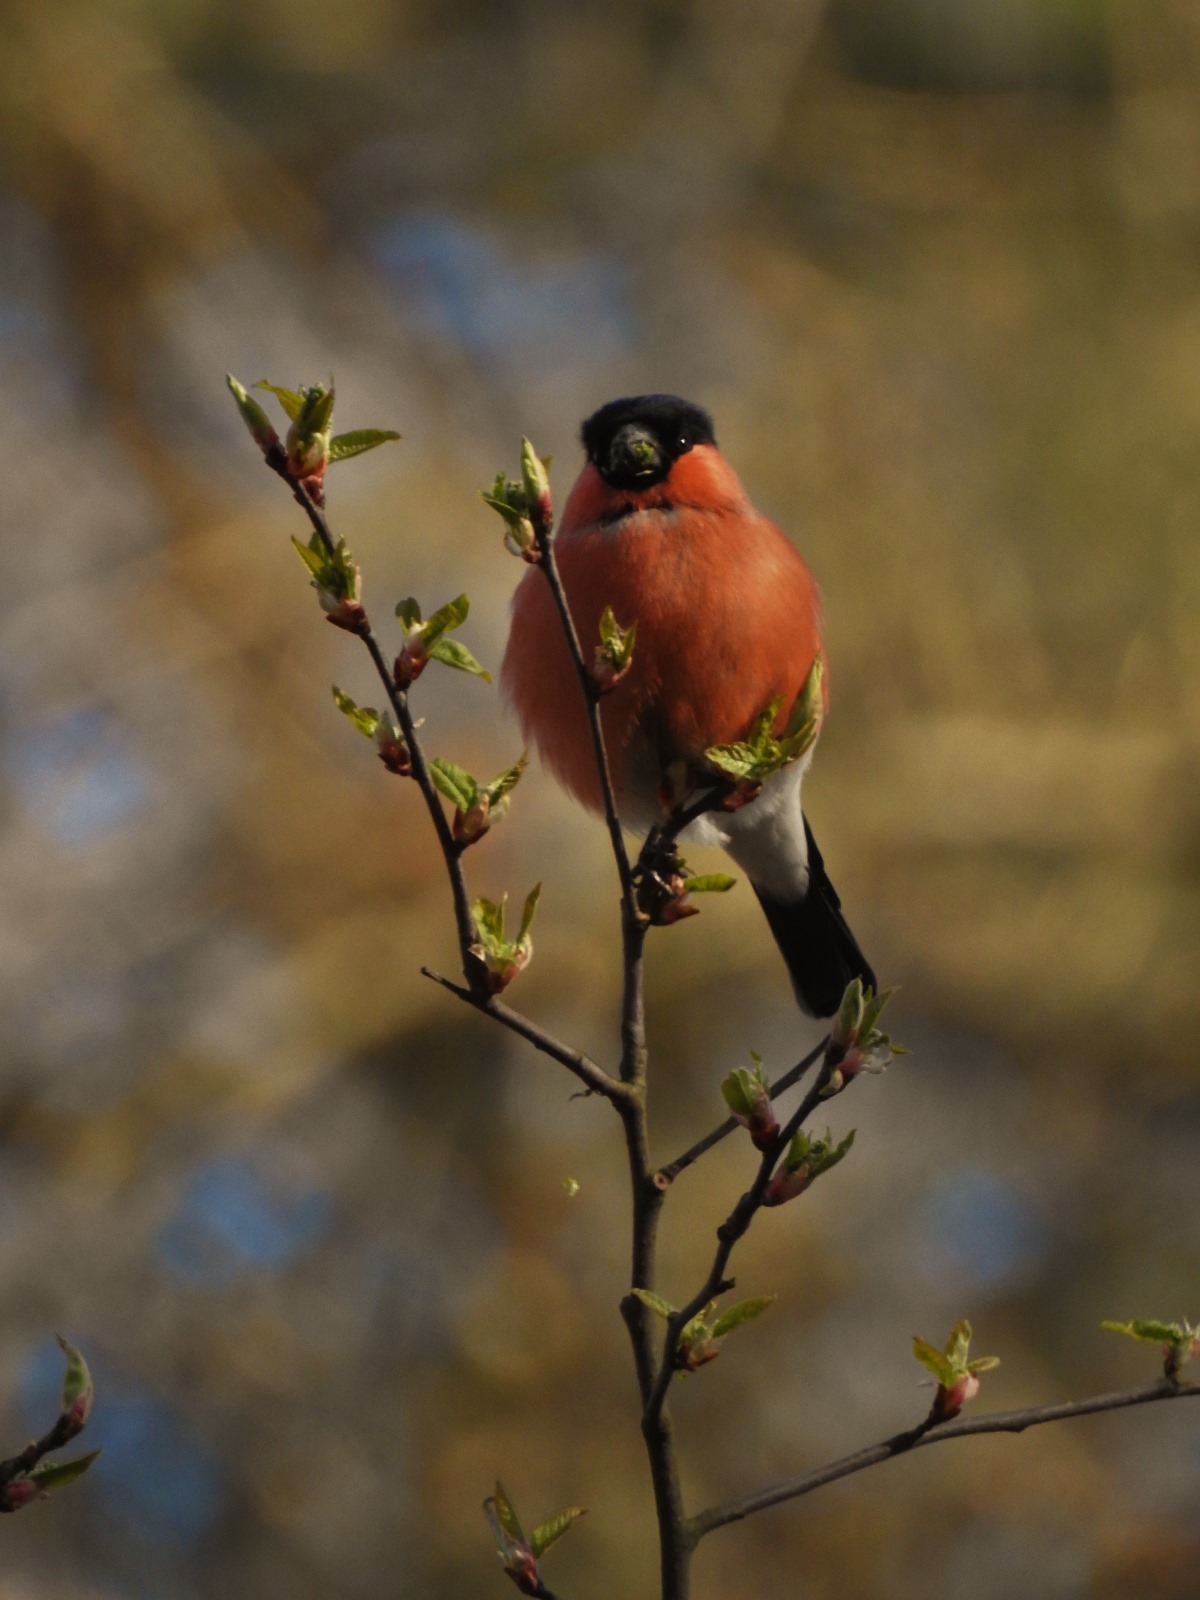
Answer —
374 725
428 640
1180 1341
310 445
519 1556
701 1337
856 1043
29 1476
957 1378
524 504
336 577
664 885
614 653
749 762
477 806
502 958
748 1096
806 1159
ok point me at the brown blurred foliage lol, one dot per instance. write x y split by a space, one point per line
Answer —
933 265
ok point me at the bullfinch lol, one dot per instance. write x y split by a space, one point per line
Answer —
659 527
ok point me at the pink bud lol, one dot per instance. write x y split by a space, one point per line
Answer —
410 663
313 483
947 1403
786 1185
395 756
343 613
19 1493
761 1120
521 1566
606 675
741 794
690 1357
473 823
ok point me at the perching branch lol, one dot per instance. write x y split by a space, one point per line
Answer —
901 1443
647 1190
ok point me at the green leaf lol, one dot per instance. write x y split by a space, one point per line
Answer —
453 653
873 1005
983 1364
819 1154
958 1344
810 703
489 924
531 903
745 1088
409 613
459 787
511 514
506 1515
761 753
446 618
78 1389
935 1361
744 1312
534 472
314 556
616 643
505 782
316 411
699 1326
344 445
57 1474
737 1091
546 1533
709 883
291 401
253 415
654 1302
850 1012
364 718
1148 1332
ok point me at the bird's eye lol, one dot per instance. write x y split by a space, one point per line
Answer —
682 441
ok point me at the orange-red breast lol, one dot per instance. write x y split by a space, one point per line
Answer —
659 528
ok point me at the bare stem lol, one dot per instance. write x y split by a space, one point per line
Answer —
549 566
675 1542
593 1077
961 1428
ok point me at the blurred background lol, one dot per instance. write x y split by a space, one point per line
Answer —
934 265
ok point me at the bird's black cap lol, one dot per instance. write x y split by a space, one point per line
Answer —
612 436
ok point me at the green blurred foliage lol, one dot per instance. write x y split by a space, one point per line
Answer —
933 267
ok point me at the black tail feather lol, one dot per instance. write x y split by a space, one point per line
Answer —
822 954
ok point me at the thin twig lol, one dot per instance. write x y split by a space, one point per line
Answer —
963 1427
398 700
728 1234
64 1430
592 1076
667 1175
587 684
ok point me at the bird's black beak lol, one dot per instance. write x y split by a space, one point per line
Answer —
635 457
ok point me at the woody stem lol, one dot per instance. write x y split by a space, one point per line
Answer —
675 1539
